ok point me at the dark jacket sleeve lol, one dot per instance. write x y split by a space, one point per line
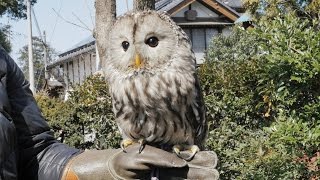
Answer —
40 155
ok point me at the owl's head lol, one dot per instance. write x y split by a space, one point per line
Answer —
145 42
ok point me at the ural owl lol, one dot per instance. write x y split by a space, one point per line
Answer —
151 73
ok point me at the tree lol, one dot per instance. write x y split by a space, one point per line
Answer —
105 17
140 5
4 37
38 58
269 9
15 9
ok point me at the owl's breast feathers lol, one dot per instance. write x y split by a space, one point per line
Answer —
166 108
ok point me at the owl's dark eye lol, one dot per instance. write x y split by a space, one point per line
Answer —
152 41
125 45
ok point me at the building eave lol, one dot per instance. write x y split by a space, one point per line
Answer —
205 24
71 54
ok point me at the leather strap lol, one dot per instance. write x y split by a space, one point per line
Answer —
68 173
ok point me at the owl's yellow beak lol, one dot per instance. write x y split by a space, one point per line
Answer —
137 61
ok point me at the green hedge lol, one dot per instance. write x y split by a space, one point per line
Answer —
262 94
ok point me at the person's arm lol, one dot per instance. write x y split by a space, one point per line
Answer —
40 155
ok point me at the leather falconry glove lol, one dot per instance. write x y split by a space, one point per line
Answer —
116 164
201 167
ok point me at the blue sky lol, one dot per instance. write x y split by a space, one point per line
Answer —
60 34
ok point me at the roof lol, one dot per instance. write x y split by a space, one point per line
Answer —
90 40
166 5
162 3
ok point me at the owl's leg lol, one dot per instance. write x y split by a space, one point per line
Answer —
192 148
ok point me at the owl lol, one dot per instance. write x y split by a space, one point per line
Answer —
151 72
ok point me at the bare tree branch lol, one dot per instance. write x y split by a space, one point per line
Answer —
67 21
84 24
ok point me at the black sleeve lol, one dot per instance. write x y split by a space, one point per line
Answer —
40 155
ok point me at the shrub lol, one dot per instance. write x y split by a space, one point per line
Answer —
262 97
85 120
56 112
93 112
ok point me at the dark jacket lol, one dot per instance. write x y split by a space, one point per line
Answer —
28 149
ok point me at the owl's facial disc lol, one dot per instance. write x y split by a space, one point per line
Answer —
143 42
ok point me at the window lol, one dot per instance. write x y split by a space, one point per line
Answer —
201 39
198 40
209 35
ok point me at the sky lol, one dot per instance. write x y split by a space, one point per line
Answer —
52 17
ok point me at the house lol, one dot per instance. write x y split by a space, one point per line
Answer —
200 19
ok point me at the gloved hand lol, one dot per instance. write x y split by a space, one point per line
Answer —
116 164
202 167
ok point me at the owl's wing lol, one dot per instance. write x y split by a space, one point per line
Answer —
196 116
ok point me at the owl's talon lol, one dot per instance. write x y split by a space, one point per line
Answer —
194 149
142 143
177 149
125 143
186 156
